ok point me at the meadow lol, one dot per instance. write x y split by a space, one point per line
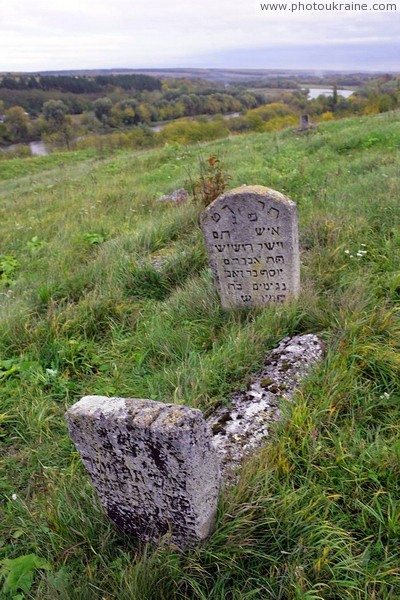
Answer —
104 290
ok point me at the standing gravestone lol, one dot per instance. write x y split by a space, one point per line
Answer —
153 465
252 244
304 122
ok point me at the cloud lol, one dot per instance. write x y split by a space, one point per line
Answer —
77 34
341 56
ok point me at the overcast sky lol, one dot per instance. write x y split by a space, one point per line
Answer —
37 35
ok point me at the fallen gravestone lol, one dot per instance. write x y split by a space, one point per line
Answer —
251 236
241 428
153 466
158 468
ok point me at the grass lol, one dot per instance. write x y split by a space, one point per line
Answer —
112 296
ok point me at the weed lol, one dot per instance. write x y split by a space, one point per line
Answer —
15 367
35 245
18 573
211 182
94 238
8 265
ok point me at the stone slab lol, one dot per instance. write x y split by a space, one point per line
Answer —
251 236
243 426
153 465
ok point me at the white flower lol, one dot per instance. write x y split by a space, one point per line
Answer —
14 497
347 251
51 372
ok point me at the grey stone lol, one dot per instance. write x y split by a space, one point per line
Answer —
243 426
251 238
304 122
179 196
153 465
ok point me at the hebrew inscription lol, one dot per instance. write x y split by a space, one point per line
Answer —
251 237
153 465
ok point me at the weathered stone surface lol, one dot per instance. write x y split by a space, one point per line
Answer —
304 122
179 196
305 125
242 427
153 465
251 237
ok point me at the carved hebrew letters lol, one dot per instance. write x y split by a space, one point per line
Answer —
252 244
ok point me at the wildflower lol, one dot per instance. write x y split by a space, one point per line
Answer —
14 497
347 251
51 372
385 396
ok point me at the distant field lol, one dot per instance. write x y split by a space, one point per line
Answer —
103 290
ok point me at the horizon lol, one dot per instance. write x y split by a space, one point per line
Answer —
172 71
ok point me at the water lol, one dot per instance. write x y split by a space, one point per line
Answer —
315 92
38 149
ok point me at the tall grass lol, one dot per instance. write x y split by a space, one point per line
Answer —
112 295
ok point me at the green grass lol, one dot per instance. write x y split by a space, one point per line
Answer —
111 295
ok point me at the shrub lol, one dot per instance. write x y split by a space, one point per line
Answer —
212 181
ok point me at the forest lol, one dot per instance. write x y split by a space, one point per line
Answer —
142 111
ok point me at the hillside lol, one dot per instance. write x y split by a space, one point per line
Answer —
103 290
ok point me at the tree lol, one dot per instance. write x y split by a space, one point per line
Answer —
102 109
57 123
17 123
129 114
55 111
334 98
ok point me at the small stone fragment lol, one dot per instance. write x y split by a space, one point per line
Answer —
179 196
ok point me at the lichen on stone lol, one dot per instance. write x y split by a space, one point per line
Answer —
244 426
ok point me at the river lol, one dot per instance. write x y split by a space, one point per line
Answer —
37 148
315 92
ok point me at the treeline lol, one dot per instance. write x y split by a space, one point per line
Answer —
295 82
377 95
80 84
149 98
280 83
28 114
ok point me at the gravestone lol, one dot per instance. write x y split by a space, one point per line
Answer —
251 237
153 465
304 122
